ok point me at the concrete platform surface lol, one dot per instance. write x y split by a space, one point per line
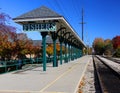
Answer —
62 79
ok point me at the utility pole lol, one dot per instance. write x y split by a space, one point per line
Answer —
82 23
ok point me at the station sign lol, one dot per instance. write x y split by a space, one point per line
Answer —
42 27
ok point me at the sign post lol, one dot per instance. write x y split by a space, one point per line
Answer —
44 28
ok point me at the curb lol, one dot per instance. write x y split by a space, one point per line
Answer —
83 73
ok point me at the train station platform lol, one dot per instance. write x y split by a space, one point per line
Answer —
62 79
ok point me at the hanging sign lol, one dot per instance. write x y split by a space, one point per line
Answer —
39 27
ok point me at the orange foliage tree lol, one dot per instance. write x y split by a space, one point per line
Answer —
13 44
49 49
98 45
37 51
7 34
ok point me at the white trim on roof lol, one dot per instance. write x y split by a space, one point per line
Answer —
36 19
73 31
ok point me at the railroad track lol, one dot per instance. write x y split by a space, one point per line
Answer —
113 59
109 79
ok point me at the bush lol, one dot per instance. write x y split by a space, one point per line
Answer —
117 54
108 52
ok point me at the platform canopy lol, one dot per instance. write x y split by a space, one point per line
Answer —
44 19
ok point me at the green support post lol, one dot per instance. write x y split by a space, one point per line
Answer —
76 53
65 59
68 52
60 53
71 53
44 49
54 54
80 52
54 38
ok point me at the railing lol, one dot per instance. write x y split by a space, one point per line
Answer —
12 65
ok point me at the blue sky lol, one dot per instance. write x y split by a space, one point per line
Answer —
102 17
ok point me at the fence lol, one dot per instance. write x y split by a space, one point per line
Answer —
12 65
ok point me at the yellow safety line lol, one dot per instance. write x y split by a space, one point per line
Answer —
16 91
42 90
47 86
83 73
47 92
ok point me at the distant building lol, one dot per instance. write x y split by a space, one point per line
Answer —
22 36
39 42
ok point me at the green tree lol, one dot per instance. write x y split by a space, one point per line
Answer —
117 53
108 47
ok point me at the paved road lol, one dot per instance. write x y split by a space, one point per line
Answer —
62 79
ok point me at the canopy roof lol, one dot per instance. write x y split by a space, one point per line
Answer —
44 14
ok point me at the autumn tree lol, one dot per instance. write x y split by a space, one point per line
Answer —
5 28
116 42
116 45
108 47
25 46
7 34
49 49
37 51
117 53
13 45
89 50
98 46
